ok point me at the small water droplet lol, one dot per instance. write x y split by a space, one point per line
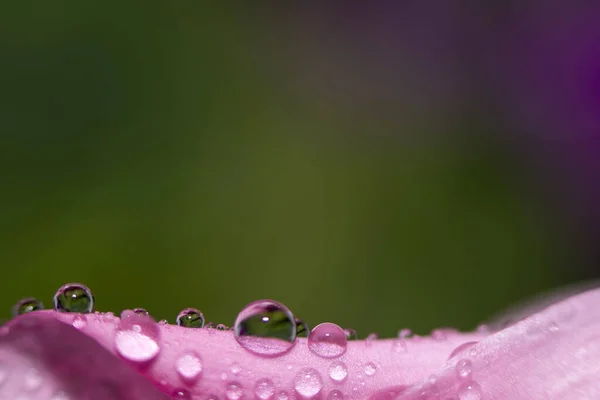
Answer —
27 305
33 380
236 369
163 322
439 334
469 391
234 391
283 395
461 348
335 395
74 297
222 327
464 368
181 394
79 321
302 329
189 367
190 318
140 311
400 345
264 389
371 337
210 325
404 333
308 383
350 334
136 337
327 340
370 369
266 328
338 371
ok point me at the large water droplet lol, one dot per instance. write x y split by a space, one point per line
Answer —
234 391
74 297
469 391
266 328
338 371
264 389
189 367
327 340
464 368
181 394
136 337
335 395
370 369
350 334
190 318
302 329
27 305
308 383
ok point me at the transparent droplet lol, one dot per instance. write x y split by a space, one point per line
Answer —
163 322
370 369
464 368
189 367
400 345
264 389
439 334
27 305
327 340
136 337
469 391
335 395
308 383
338 371
79 321
210 325
236 369
140 311
33 380
74 297
190 318
371 337
302 329
266 328
222 327
350 334
461 348
404 333
283 395
181 394
234 391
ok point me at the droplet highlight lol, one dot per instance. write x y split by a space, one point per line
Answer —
266 328
190 318
74 297
469 391
335 395
140 311
181 394
27 305
264 389
327 340
234 391
464 368
370 369
308 383
338 371
189 367
136 337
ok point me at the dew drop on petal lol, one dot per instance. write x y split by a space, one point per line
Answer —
469 391
350 334
27 305
222 327
136 337
302 329
461 348
264 389
335 395
404 333
308 383
338 371
74 297
79 321
189 367
283 395
190 318
235 369
181 394
266 328
163 322
464 368
327 340
370 369
140 311
234 391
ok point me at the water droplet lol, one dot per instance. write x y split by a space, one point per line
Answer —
400 345
372 336
79 321
181 394
439 334
464 368
283 395
338 371
302 329
404 333
327 340
461 348
236 369
370 369
222 327
350 334
264 389
163 322
74 297
308 382
234 391
136 337
469 391
210 325
335 395
265 327
27 305
33 380
189 367
190 318
140 311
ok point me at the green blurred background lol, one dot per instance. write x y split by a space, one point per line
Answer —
190 154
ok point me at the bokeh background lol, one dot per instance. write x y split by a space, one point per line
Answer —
380 165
